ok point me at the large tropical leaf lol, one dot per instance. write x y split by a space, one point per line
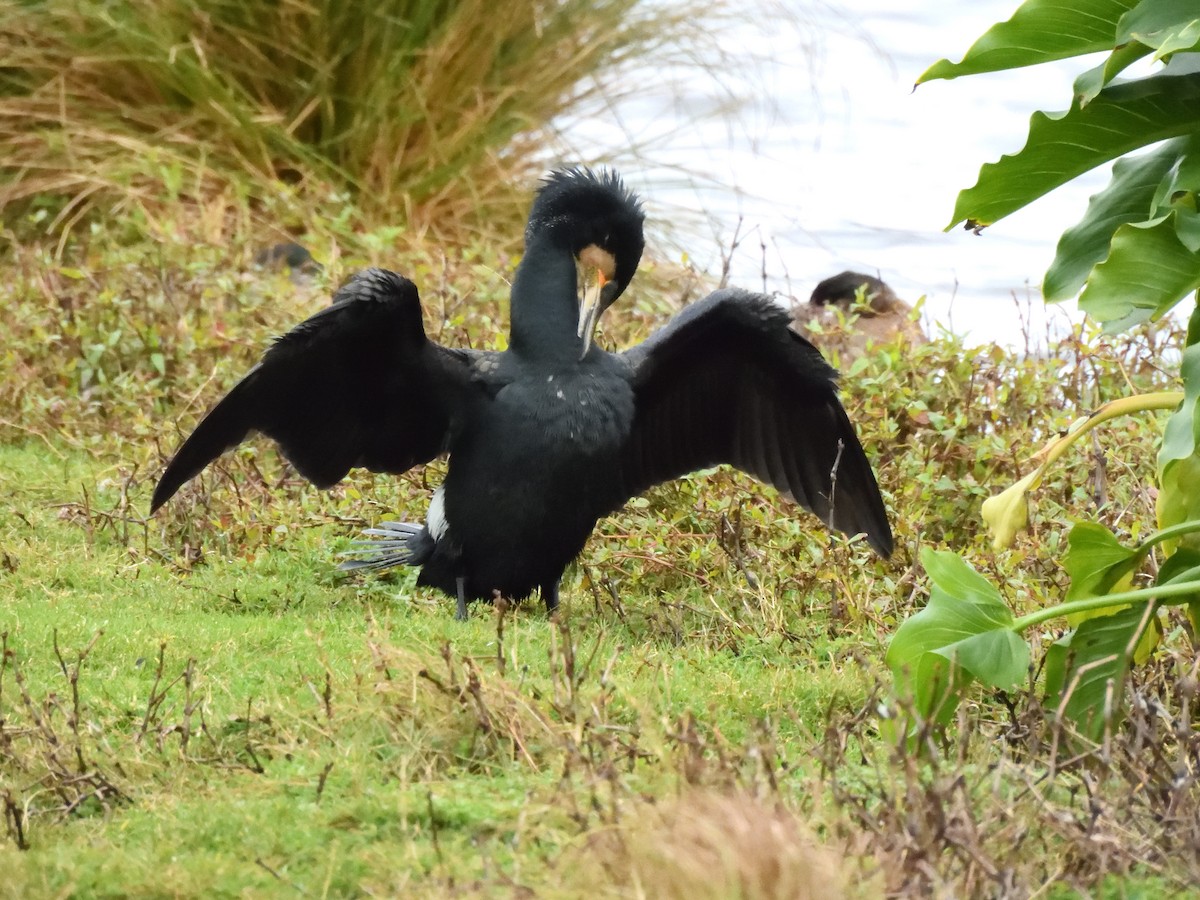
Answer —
1150 267
1039 31
1100 565
1180 439
1091 82
1168 26
1085 670
1127 198
1061 146
1097 562
964 633
1161 27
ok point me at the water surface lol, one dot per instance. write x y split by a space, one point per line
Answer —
833 160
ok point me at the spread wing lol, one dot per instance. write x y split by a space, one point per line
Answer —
727 381
357 384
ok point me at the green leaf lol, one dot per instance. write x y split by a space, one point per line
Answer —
1184 38
1179 439
1096 561
998 658
1064 145
1149 17
1178 459
1164 25
1161 27
967 623
1148 270
1179 495
1187 173
937 685
1039 31
1193 328
1099 565
1181 567
1091 82
954 580
1127 198
1085 670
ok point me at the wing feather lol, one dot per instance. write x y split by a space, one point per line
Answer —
356 384
727 381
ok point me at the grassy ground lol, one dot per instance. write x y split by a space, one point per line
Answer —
199 705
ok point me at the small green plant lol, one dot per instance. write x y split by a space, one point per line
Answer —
1136 255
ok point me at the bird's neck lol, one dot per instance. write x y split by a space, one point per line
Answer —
545 303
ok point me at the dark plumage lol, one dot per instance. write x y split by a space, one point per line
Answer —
883 318
290 255
553 433
844 287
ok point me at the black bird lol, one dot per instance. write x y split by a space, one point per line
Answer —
549 435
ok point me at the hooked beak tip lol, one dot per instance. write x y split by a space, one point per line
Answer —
589 311
587 326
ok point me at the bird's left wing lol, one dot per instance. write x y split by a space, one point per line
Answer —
356 384
727 381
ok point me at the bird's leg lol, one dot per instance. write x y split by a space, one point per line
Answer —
550 595
460 585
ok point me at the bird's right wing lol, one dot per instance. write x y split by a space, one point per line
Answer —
357 384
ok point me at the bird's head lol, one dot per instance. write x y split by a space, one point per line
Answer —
599 220
842 290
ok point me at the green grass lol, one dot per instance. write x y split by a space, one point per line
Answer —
248 722
264 634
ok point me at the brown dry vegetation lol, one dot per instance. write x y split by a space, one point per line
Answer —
433 117
710 844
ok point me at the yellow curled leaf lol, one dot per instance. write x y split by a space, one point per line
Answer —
1007 513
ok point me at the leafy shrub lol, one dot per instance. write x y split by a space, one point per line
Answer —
1136 254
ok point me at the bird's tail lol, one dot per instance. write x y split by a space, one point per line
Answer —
394 544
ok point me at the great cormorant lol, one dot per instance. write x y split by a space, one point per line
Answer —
549 435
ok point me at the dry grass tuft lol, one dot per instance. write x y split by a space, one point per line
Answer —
707 844
430 116
453 716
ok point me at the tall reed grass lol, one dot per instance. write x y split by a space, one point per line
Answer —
426 113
